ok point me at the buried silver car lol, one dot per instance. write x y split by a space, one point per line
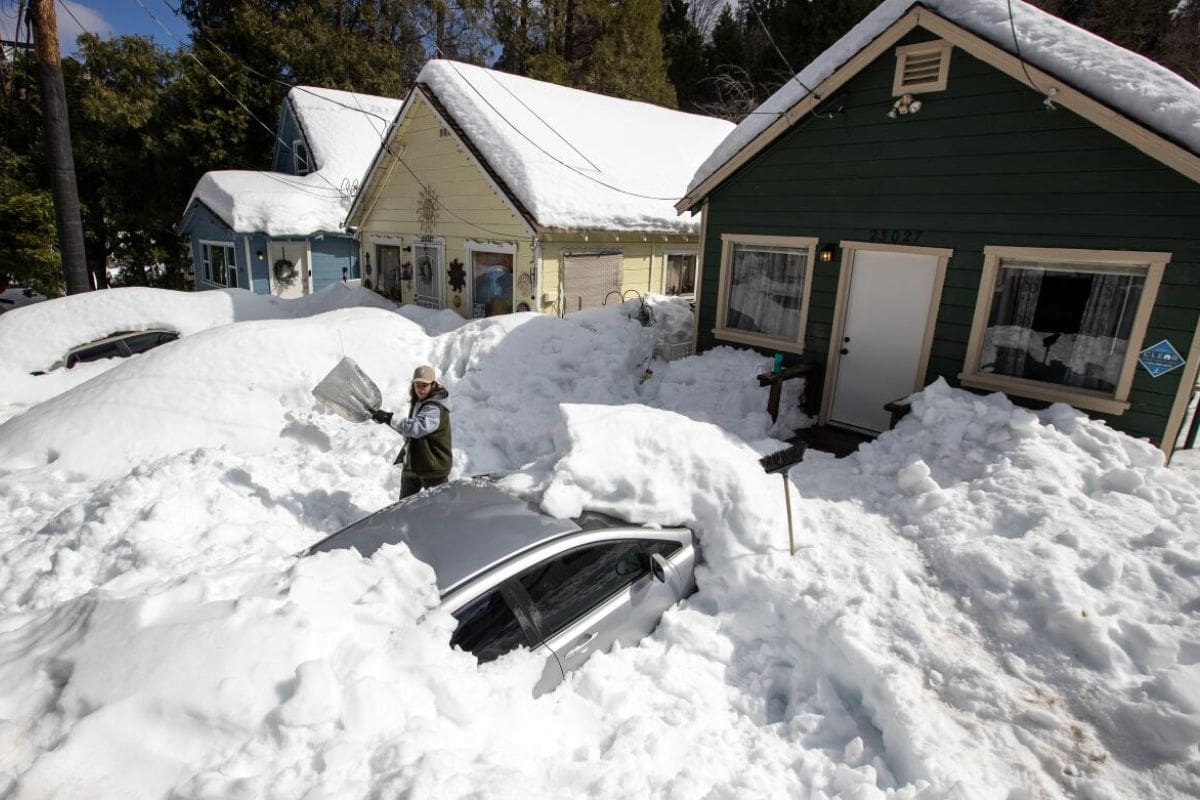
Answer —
515 577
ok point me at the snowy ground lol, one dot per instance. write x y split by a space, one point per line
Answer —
987 602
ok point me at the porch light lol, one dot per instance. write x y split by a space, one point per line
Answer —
905 104
825 254
259 255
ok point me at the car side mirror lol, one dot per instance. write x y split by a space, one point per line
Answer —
659 567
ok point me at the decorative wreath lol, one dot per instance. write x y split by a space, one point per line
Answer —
458 276
285 271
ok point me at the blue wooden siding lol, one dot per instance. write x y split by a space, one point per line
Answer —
259 267
983 163
288 131
204 226
329 255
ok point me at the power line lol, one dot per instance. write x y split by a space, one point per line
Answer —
795 75
1049 101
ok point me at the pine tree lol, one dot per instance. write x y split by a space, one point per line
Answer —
683 49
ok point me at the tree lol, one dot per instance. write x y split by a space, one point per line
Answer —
597 45
683 49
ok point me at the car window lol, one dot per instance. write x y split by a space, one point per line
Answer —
143 342
571 584
97 353
487 628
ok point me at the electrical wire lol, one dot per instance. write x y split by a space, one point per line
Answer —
1049 101
795 75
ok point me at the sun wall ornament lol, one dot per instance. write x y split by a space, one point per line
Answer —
457 275
427 209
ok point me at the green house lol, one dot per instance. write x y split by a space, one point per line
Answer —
1006 202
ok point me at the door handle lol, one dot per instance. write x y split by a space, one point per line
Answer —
580 644
845 351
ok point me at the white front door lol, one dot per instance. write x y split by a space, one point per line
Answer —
290 274
880 357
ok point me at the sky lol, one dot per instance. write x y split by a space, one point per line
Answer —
985 603
107 18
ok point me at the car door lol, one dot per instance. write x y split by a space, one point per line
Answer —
497 622
594 595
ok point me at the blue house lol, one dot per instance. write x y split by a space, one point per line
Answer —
282 231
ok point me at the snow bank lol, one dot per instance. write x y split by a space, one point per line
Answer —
39 335
986 603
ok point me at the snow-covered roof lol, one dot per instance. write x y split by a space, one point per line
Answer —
343 130
577 160
1142 90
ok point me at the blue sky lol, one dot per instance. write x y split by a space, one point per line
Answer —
105 17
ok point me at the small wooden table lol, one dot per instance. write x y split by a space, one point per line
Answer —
775 381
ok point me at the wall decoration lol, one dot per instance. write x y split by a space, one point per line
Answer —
427 209
524 285
285 271
457 300
522 306
458 276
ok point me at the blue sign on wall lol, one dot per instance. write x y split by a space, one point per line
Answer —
1161 358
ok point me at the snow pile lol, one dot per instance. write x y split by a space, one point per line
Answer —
38 336
985 603
578 160
343 131
1132 84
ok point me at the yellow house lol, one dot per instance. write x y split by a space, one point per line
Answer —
493 193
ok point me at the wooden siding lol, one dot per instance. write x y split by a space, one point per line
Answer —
469 207
983 163
287 132
331 254
199 225
472 208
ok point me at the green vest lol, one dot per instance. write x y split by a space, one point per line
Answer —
430 457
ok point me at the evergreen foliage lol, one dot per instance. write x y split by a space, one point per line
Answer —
148 121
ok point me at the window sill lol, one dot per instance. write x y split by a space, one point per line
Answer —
759 340
1039 391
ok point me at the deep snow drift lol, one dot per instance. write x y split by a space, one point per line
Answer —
987 602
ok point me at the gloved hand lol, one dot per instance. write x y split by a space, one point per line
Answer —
381 416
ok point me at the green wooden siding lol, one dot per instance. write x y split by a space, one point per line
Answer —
983 163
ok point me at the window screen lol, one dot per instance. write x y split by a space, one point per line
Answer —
588 279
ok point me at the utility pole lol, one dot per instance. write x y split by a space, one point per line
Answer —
58 147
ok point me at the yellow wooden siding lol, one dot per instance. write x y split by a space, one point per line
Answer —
471 209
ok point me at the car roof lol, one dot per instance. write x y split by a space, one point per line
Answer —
459 529
118 335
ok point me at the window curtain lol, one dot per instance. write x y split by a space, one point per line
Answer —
1096 359
761 279
1023 289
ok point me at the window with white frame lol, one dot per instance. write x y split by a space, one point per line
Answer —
765 286
300 162
679 276
219 267
1062 325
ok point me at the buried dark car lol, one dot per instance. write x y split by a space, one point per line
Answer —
121 344
515 577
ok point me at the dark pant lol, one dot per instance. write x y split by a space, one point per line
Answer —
410 485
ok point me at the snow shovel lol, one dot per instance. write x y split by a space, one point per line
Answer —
781 461
349 392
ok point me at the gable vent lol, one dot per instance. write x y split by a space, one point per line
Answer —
922 67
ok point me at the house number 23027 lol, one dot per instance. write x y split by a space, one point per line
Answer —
895 235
